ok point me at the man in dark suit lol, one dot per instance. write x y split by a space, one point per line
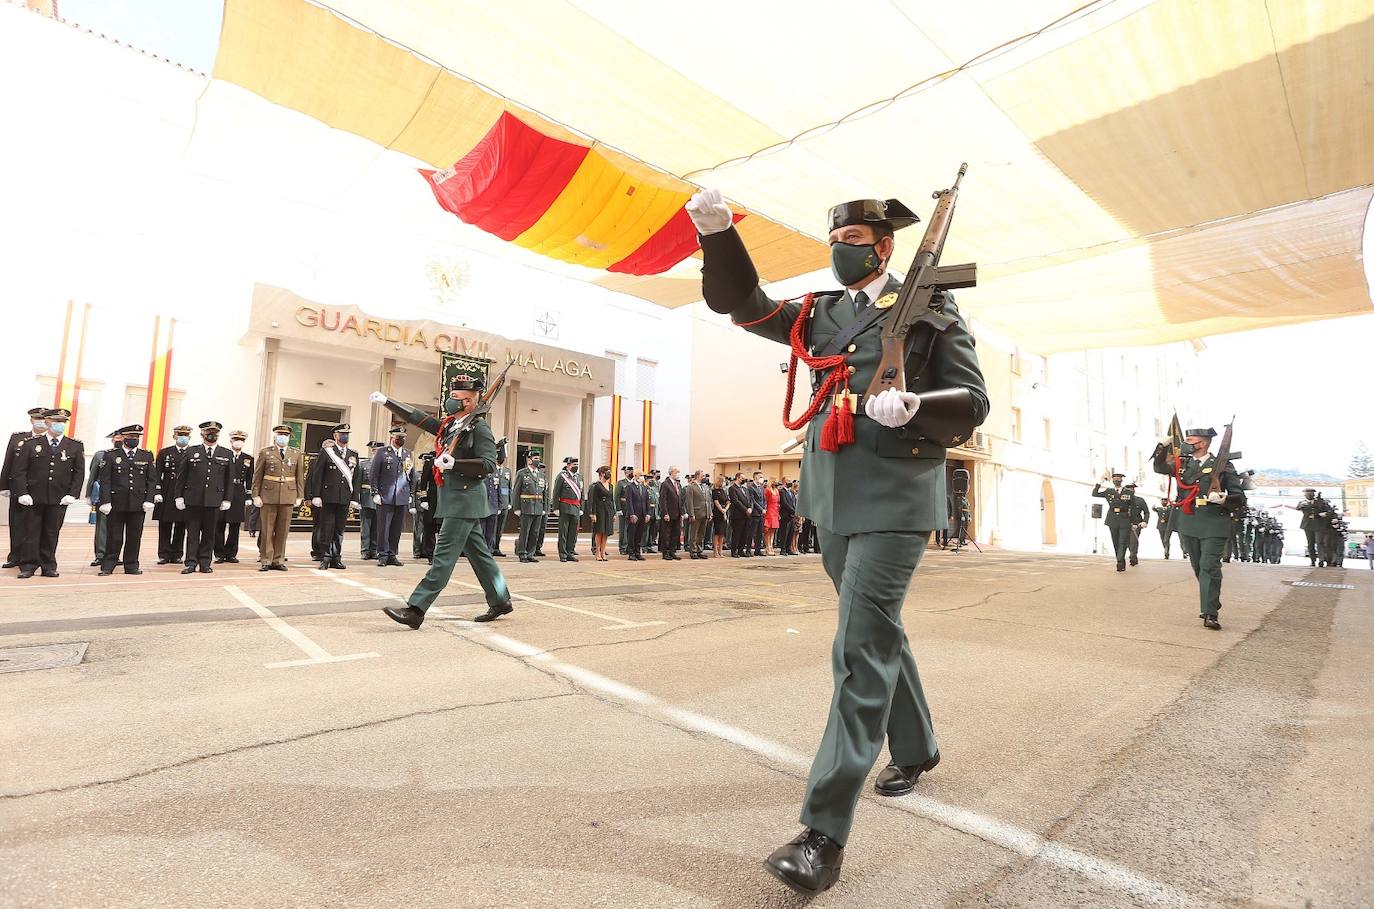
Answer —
241 481
741 510
636 509
171 523
759 504
202 492
128 478
670 507
19 515
47 478
329 484
787 510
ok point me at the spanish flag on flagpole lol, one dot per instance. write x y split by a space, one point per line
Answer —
615 438
159 383
647 448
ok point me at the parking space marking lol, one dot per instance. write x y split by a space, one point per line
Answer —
315 653
1008 836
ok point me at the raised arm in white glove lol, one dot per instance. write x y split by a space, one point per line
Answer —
106 508
377 398
317 502
25 500
224 506
257 502
181 504
67 500
893 408
708 211
444 461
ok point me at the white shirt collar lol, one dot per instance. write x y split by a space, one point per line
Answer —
873 288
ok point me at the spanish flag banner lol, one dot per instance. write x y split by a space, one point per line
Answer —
647 448
615 438
159 383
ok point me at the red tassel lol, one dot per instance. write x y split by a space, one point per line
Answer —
830 431
844 423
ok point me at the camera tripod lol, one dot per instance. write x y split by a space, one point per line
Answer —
961 525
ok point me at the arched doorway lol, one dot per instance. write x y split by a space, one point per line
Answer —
1048 534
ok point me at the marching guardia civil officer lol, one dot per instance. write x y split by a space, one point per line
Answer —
875 500
47 478
567 493
462 501
202 492
278 487
128 481
1204 519
1118 516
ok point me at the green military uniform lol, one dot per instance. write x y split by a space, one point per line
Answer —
530 498
462 504
875 502
367 506
651 528
568 499
1164 515
1140 516
1118 519
623 526
1203 526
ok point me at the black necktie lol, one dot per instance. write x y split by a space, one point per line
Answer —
860 301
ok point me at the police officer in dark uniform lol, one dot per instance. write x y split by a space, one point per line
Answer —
426 497
330 486
18 514
171 523
93 494
241 481
128 481
47 478
202 492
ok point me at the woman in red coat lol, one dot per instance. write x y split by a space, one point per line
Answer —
770 517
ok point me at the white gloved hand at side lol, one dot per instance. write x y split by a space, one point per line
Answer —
1216 498
67 500
708 211
106 508
224 506
297 503
181 504
317 502
4 493
893 408
257 502
147 506
25 500
412 511
444 461
157 499
424 506
377 398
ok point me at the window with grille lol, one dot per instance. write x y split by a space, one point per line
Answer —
620 377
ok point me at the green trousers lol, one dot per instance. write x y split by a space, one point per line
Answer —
460 536
877 689
567 535
1121 542
1204 553
365 547
101 533
531 537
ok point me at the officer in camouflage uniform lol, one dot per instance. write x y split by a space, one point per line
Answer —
462 502
1204 518
875 502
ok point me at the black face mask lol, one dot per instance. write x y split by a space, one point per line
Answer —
131 443
211 438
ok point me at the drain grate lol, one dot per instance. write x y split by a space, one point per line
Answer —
42 656
1323 584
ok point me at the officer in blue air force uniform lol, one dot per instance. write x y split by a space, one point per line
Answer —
874 500
390 470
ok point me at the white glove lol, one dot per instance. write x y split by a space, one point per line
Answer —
181 504
377 398
248 501
67 500
317 502
106 508
147 506
297 503
224 506
412 511
444 461
158 499
1216 497
352 506
257 502
708 211
893 408
26 500
5 493
424 506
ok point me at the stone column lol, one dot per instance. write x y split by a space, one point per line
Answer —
380 419
511 422
586 452
267 395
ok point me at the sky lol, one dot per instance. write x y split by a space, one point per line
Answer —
1299 393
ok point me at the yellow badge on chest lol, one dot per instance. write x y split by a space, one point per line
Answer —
886 300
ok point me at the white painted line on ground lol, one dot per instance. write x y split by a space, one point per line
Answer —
379 592
999 833
619 622
315 652
349 581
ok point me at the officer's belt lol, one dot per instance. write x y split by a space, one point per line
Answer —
570 501
523 496
279 479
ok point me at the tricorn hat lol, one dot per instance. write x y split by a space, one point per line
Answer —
872 211
465 382
570 459
1202 433
1117 473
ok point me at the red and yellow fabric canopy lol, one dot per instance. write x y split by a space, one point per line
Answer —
567 201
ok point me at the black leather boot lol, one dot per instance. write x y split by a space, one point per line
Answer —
495 612
810 864
894 780
406 615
